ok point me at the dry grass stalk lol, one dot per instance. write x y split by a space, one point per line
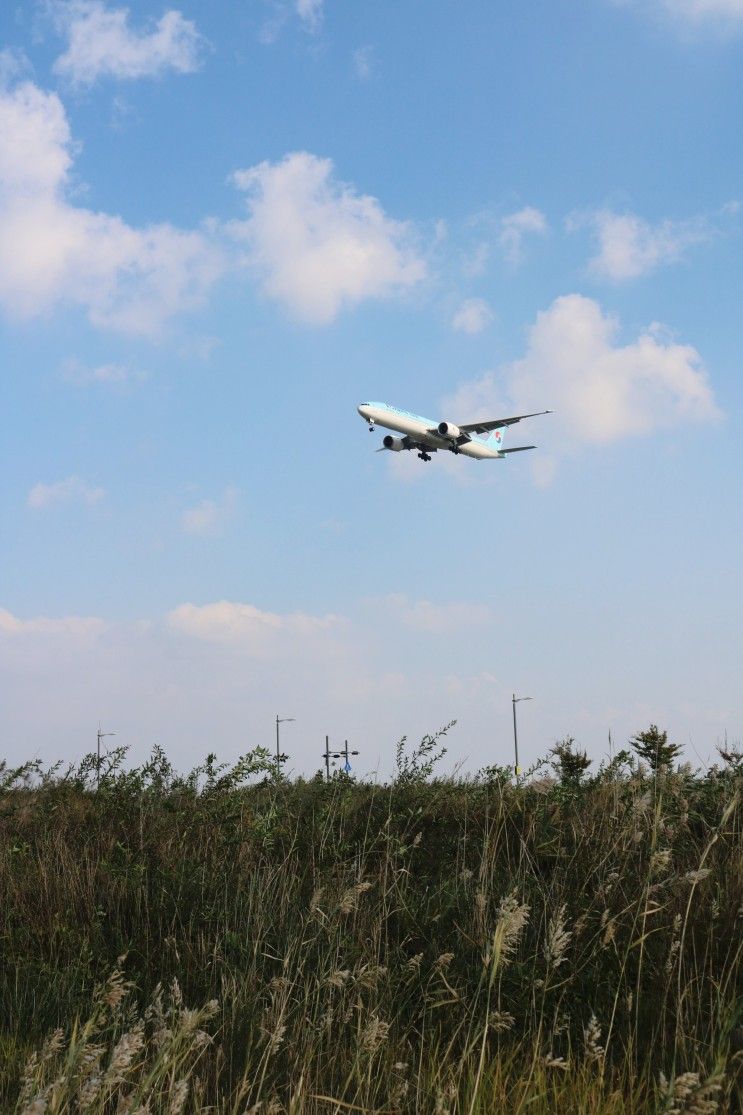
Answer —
592 1040
350 900
513 917
374 1035
558 939
688 1095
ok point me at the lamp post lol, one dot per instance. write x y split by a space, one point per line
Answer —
514 701
280 720
101 735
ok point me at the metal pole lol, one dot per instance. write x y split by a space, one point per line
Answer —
279 756
515 738
327 758
101 735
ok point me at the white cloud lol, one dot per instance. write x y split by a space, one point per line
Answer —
516 226
363 62
208 516
602 391
311 13
101 43
75 627
473 316
319 245
70 490
245 625
629 247
52 252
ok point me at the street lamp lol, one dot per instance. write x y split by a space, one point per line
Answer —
514 701
101 735
280 720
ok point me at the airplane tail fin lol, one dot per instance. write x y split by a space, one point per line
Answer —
493 438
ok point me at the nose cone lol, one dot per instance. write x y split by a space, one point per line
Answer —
363 410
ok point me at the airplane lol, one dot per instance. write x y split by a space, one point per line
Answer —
475 439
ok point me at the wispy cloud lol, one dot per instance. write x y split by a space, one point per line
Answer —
629 247
74 627
70 490
693 14
504 235
109 375
475 259
516 226
363 62
703 9
14 64
317 244
473 316
311 13
233 622
101 43
431 617
210 515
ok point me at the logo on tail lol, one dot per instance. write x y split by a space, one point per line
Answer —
493 438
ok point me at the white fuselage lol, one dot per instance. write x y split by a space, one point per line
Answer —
422 430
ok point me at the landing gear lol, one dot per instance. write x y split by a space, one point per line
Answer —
371 427
454 448
424 456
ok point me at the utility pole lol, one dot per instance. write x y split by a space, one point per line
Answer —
514 701
100 735
279 757
344 754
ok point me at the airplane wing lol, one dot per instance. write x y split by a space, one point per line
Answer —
496 423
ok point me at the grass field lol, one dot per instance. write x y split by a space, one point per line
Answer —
231 941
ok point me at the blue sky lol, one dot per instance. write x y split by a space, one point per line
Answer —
222 227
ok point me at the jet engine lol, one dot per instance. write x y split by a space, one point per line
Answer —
393 443
446 429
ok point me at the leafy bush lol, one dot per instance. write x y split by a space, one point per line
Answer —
652 745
